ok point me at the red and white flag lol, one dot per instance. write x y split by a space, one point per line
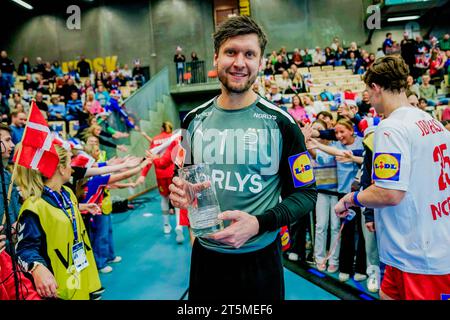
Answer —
39 159
38 133
58 140
38 151
180 156
160 149
83 160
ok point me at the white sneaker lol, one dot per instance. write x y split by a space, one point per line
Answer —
359 277
180 236
343 277
116 259
106 269
167 228
293 256
321 267
373 283
332 268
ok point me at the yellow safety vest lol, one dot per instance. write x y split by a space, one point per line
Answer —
107 202
72 285
368 140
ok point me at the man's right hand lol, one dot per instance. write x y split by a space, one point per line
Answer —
45 282
182 192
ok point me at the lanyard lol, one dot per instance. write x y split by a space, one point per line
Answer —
66 200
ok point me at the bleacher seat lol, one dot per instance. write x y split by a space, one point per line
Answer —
327 68
278 77
83 79
303 70
315 69
438 112
18 85
74 125
126 92
59 127
212 74
187 77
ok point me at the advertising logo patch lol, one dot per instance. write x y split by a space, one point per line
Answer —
445 296
386 166
285 238
301 169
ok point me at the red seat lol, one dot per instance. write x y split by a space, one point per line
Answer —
187 76
212 74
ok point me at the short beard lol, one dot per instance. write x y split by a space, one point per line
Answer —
245 88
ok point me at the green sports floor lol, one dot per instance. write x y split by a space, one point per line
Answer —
155 267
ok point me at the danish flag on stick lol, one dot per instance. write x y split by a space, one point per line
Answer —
37 151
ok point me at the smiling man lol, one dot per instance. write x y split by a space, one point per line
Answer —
411 170
258 156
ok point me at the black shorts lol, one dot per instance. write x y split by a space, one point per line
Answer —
222 277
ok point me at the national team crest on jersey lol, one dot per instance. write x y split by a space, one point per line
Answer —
301 169
386 166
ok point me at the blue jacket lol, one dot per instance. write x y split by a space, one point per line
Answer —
55 109
113 106
74 106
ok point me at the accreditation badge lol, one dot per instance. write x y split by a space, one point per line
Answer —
79 256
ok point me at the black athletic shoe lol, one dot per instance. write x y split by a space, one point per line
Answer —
93 296
99 291
97 295
310 258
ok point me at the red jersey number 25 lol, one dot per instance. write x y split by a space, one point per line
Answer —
444 160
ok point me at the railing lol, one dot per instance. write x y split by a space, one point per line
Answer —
142 101
194 72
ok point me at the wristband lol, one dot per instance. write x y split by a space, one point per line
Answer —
35 265
355 199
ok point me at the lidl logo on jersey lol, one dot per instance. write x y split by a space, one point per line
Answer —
285 238
445 296
301 169
386 166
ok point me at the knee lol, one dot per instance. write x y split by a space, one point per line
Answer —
320 228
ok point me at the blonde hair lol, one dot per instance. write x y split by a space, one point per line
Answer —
90 131
30 181
91 136
346 123
167 126
309 96
90 149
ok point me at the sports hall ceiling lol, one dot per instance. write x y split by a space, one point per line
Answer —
426 9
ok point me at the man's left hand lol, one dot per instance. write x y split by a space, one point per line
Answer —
243 227
341 208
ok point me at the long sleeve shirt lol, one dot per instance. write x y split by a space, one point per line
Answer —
32 246
278 187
